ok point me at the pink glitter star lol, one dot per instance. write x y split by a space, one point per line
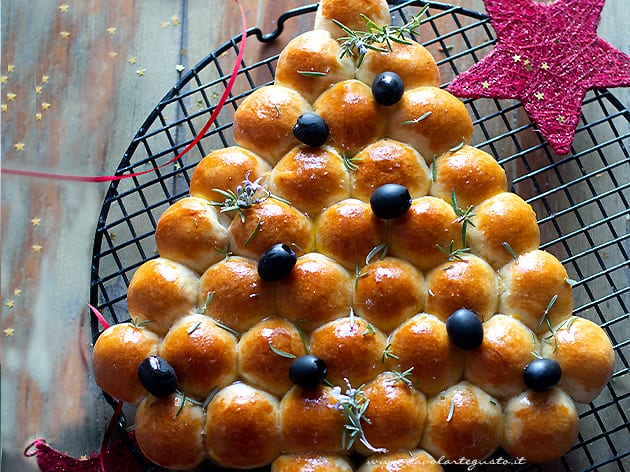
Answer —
547 56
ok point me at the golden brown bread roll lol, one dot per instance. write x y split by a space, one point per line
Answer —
259 365
585 355
539 426
267 223
467 282
312 52
497 365
422 344
311 178
395 414
348 231
352 349
115 369
311 421
189 232
348 13
202 354
388 161
463 422
225 169
232 292
316 291
431 120
169 433
263 122
403 461
425 232
388 292
352 115
412 62
473 174
310 462
503 219
528 286
162 291
242 428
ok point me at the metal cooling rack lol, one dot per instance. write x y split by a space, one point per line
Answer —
581 199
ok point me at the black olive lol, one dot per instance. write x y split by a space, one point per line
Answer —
307 371
390 201
157 376
311 129
465 329
276 262
387 88
542 374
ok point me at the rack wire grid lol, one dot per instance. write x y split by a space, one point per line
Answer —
581 199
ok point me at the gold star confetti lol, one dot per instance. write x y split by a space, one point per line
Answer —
38 116
175 20
179 68
9 303
4 107
45 105
544 66
560 119
485 84
36 221
111 30
141 72
83 458
19 146
10 68
113 54
36 248
45 79
132 60
4 79
9 331
38 89
64 8
17 292
11 96
165 24
539 95
112 235
65 34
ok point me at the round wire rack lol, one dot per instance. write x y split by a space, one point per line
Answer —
581 199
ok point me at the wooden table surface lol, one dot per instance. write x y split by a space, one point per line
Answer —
78 79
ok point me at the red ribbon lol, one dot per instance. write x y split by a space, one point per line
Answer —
213 117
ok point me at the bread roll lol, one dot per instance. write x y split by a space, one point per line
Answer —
463 422
311 462
225 169
471 173
267 223
242 428
431 120
352 115
497 365
348 231
528 286
429 223
585 372
311 421
388 161
467 282
422 344
540 426
311 178
232 292
189 232
403 461
395 414
115 369
316 291
259 365
160 292
263 122
170 433
351 348
348 12
388 292
503 219
312 52
412 62
202 354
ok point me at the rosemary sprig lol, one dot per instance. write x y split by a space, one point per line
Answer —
303 336
358 275
182 399
416 120
434 168
404 377
463 216
388 353
350 163
194 328
452 254
375 37
227 328
280 352
458 146
545 317
311 73
202 309
370 330
451 411
138 323
378 252
247 195
254 232
510 250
